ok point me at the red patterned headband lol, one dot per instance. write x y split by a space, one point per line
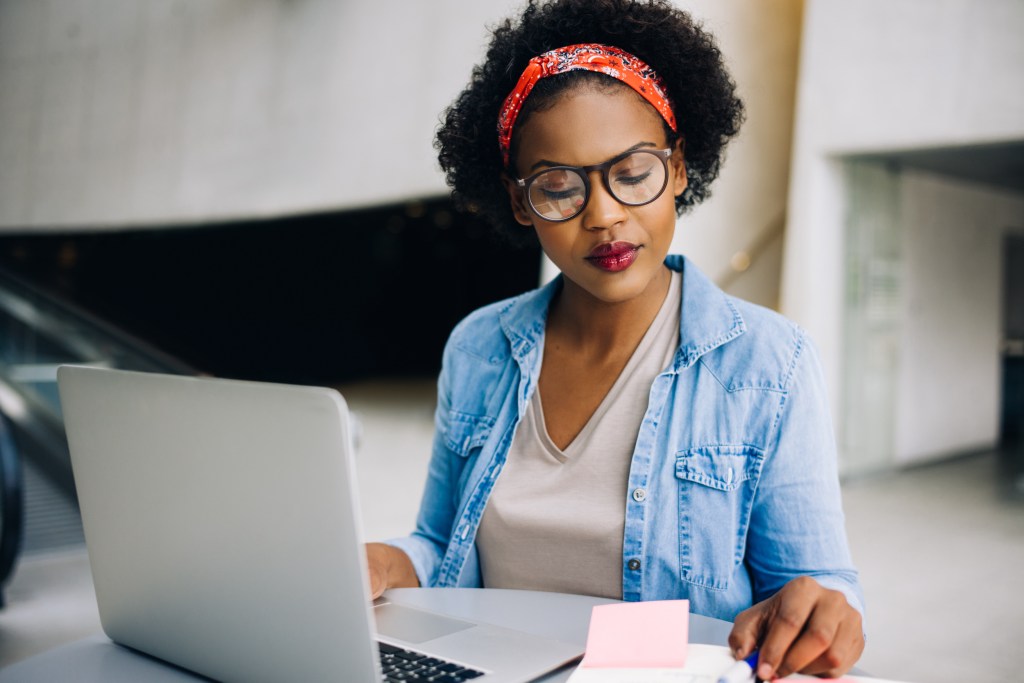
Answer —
604 59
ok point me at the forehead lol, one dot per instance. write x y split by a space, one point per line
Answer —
586 126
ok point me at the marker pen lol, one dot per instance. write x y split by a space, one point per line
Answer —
740 672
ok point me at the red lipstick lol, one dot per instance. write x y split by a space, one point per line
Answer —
613 256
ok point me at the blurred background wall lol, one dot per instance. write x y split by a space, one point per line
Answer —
119 114
907 177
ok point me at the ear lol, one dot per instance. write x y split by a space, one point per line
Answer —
519 209
677 167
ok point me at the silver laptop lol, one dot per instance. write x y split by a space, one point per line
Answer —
222 528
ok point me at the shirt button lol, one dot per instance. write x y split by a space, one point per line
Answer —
633 564
639 495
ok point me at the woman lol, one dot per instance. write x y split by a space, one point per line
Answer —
655 438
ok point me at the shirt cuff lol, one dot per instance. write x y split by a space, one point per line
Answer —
422 553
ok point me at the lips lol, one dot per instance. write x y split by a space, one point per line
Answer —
613 256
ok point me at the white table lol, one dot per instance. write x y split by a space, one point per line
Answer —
554 615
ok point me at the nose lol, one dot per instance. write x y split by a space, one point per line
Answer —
602 210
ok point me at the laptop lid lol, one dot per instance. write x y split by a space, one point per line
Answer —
221 523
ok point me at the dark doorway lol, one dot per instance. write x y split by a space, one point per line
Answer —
1012 432
1013 336
317 299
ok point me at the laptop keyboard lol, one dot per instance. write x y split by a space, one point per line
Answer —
406 665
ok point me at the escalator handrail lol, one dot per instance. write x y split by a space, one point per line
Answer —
19 288
89 340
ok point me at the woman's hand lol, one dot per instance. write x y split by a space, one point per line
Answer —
803 628
389 568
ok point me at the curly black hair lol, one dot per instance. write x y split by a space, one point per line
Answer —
686 58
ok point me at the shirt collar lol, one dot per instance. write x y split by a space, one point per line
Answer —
523 319
708 318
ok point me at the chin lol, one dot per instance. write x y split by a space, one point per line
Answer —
620 290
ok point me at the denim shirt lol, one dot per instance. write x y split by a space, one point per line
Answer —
733 489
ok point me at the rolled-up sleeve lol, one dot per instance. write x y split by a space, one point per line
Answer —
428 543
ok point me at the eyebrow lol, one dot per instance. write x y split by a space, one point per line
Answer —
545 162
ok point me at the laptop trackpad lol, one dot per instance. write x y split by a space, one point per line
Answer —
413 625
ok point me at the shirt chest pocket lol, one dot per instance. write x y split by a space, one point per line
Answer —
466 436
716 487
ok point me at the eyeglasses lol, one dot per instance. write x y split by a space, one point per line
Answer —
634 178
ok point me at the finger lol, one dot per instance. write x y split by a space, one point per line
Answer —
795 602
377 569
844 652
376 587
377 582
818 633
746 630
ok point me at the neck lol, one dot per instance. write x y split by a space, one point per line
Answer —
602 328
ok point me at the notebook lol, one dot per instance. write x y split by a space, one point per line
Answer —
222 527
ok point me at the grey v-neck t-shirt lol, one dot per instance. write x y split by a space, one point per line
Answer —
555 519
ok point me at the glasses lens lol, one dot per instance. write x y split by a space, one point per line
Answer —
558 194
638 178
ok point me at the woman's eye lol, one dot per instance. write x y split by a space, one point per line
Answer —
633 178
554 194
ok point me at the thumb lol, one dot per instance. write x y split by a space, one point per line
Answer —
378 573
377 583
746 629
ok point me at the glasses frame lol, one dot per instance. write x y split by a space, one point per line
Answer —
585 171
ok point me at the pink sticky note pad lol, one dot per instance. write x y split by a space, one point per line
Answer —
638 635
